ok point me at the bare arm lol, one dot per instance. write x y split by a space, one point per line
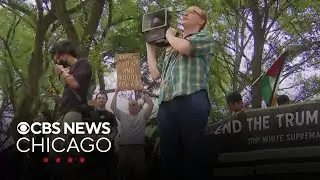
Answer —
198 44
81 77
70 80
149 109
114 132
114 101
57 97
51 93
181 45
152 61
114 128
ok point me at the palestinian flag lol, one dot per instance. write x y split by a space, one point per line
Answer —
269 81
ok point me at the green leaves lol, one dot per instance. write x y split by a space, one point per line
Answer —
295 25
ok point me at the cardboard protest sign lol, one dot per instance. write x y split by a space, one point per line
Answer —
128 71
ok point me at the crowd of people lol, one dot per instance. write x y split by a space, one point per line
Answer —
184 104
183 112
235 103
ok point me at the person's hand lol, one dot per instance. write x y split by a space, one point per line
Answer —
66 70
51 92
59 69
171 32
93 103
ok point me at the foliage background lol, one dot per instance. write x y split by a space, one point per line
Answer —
249 36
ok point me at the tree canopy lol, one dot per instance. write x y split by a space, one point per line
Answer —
249 36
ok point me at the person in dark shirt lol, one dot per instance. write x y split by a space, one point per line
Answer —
76 74
104 163
101 114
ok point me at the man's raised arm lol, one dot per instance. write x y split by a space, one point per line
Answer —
114 127
149 109
114 101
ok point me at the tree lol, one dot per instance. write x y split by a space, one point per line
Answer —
249 37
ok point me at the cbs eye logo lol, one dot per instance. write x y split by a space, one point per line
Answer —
23 128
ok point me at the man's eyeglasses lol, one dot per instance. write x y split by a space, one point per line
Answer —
201 14
192 12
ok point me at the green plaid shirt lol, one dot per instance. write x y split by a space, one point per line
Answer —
184 75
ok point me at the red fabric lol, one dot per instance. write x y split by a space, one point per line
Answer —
276 67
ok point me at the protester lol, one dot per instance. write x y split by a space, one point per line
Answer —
184 105
76 73
131 151
103 163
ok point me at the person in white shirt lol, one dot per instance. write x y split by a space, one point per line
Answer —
132 137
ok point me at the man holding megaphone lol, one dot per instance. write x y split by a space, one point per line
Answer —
184 105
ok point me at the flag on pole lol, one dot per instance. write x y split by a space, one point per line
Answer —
274 99
269 81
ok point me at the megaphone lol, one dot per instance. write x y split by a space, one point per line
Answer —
155 25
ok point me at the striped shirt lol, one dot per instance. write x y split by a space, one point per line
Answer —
184 75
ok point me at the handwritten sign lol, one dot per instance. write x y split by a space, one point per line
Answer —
262 135
128 71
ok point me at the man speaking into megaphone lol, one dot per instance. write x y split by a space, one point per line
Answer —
184 105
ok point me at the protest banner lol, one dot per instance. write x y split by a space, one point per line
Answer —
261 140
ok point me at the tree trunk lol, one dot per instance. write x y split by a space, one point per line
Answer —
83 44
258 35
24 109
